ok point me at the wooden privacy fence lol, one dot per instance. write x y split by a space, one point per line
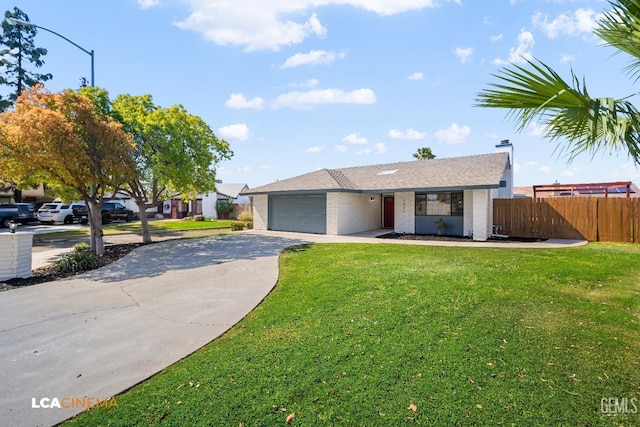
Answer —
591 218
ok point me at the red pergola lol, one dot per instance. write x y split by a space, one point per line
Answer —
596 188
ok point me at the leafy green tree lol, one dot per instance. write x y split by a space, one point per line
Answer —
176 152
17 50
424 153
536 93
59 138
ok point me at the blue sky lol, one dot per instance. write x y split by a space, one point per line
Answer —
297 85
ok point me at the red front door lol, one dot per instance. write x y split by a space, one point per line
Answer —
388 211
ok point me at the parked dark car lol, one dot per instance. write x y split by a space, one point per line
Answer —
110 211
17 212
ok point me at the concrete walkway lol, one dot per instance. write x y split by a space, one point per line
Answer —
101 332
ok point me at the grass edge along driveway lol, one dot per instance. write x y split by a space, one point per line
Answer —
394 334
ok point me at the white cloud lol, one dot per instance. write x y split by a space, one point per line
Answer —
265 167
238 131
454 135
582 21
309 99
310 84
410 133
354 138
416 76
341 148
146 4
314 57
628 171
496 38
380 148
464 53
531 163
545 169
270 25
521 51
316 149
239 101
567 58
517 167
245 169
365 151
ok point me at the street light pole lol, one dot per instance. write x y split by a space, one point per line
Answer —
90 53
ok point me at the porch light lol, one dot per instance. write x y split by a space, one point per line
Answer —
13 226
372 199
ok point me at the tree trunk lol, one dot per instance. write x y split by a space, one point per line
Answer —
144 221
94 211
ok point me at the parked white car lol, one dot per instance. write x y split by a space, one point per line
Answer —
58 212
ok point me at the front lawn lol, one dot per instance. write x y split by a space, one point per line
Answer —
357 335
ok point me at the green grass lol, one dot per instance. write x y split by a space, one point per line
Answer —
356 335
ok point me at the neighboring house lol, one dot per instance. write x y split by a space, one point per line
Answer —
205 204
596 189
31 195
407 197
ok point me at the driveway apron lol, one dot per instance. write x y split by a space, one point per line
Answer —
102 332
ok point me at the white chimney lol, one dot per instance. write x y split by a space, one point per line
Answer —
506 183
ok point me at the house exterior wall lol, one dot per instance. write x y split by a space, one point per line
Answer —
352 213
209 205
467 227
405 212
260 212
482 214
506 192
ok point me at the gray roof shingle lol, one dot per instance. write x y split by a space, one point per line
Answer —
480 171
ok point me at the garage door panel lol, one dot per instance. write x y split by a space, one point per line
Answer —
304 214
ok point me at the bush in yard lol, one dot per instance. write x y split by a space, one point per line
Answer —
247 218
237 226
223 206
81 259
198 218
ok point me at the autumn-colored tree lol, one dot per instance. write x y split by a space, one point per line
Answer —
60 138
176 152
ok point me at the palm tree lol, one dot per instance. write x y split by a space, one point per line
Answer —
537 93
424 153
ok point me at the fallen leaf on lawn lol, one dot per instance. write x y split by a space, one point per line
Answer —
78 376
413 407
490 364
479 406
291 417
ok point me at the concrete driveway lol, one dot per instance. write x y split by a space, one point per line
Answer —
102 332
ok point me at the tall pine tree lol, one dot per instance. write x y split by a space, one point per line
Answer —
17 51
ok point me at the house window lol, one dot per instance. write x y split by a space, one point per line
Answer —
439 204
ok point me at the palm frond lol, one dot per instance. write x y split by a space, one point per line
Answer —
539 95
620 28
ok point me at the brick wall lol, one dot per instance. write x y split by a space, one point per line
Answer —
482 214
353 212
405 212
15 255
260 212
